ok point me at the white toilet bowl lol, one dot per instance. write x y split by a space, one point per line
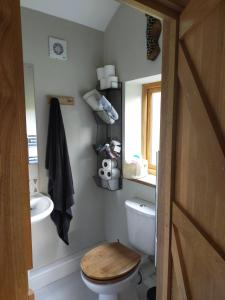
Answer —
110 291
109 269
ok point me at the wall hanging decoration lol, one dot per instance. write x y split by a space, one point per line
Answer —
57 48
153 32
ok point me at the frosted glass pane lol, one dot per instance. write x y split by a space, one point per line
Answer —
133 114
156 105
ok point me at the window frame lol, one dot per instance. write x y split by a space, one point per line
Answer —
146 143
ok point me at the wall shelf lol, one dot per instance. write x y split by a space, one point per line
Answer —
110 89
106 132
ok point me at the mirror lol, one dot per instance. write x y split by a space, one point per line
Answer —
30 113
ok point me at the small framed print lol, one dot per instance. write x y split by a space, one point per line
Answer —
57 48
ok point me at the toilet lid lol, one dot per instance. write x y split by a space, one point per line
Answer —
109 261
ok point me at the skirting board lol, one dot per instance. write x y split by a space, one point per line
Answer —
41 277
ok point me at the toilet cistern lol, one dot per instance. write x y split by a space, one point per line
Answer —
141 225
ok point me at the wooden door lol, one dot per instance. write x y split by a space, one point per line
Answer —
191 203
15 236
198 206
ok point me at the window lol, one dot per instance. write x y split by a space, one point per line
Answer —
151 104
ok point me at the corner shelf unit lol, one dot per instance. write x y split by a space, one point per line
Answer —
106 132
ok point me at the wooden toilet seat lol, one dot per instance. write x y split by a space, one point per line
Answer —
109 261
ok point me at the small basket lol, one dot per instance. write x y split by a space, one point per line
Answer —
111 185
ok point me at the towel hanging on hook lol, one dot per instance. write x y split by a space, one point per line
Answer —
60 184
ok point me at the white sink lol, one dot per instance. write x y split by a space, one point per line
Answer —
41 207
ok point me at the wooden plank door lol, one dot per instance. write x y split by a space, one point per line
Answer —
15 236
198 206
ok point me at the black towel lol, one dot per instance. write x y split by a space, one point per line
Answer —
60 184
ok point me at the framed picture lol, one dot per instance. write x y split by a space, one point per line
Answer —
57 48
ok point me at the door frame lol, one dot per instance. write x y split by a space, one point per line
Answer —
18 236
170 19
15 227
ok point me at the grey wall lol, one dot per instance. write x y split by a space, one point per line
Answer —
97 213
71 77
125 46
115 213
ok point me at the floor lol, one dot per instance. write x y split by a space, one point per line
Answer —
72 288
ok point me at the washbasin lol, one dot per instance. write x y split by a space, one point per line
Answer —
41 207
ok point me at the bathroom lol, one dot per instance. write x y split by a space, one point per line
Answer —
99 215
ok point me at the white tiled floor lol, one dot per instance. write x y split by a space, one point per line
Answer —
72 288
68 288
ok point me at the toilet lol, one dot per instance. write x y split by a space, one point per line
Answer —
111 267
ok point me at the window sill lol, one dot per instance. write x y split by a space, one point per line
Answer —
149 180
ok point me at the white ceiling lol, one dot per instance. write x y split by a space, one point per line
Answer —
92 13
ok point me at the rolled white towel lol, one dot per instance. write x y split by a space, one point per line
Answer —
105 117
107 106
92 98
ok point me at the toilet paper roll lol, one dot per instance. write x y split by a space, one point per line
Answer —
109 174
109 70
112 174
101 173
114 184
112 82
103 84
109 164
100 73
104 183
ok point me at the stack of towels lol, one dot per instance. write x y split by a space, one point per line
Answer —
109 174
107 77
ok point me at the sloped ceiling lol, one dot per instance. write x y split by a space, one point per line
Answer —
92 13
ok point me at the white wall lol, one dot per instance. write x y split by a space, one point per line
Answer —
71 77
125 46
